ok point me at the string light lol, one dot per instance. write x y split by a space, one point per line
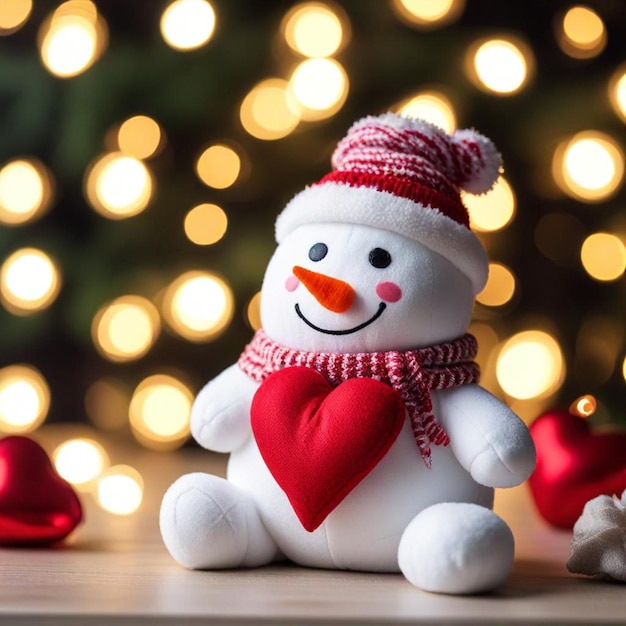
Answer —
432 106
589 167
585 406
13 15
205 224
72 39
501 65
603 256
118 186
218 166
29 281
500 287
80 461
24 399
581 33
428 13
314 29
265 112
140 136
319 87
125 329
198 306
530 365
493 210
188 24
160 410
25 191
120 490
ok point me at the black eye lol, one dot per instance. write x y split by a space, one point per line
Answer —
379 258
318 251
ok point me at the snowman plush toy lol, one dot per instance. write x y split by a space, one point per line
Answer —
358 436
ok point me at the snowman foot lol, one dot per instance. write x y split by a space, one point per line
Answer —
208 523
456 547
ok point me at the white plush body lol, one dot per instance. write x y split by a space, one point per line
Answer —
432 524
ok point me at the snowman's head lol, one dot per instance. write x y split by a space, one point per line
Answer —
346 288
378 255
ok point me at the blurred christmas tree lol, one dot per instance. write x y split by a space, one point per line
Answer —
148 146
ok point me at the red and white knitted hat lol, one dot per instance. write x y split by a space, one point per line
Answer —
404 175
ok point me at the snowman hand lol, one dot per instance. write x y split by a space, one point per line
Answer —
220 416
487 438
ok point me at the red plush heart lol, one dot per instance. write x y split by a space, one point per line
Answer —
574 465
319 442
36 505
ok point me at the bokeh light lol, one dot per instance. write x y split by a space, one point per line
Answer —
24 399
205 224
493 210
80 461
160 411
218 166
198 305
624 369
125 329
500 287
319 87
25 191
106 404
428 13
603 256
29 281
530 365
580 32
589 167
432 106
617 91
315 29
13 15
598 343
188 24
500 65
72 39
120 490
253 311
118 186
140 136
559 236
265 112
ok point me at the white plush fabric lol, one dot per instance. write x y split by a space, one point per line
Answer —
435 525
599 541
456 547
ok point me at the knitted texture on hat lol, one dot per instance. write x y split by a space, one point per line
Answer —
413 374
416 160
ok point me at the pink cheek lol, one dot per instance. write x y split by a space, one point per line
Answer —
389 292
291 284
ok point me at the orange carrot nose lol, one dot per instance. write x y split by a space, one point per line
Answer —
331 293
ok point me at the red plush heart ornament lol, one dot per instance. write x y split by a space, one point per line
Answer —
574 465
319 442
36 505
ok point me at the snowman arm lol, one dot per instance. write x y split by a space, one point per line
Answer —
220 416
487 438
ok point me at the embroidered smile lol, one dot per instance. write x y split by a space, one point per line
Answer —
381 307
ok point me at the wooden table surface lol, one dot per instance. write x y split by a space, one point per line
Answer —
115 570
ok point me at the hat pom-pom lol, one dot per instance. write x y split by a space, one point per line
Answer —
480 162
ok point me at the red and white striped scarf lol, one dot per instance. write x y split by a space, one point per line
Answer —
413 374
